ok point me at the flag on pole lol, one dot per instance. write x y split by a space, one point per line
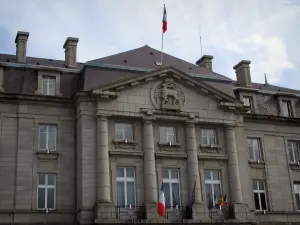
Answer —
164 20
192 202
161 206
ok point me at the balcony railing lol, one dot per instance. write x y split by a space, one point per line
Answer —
130 212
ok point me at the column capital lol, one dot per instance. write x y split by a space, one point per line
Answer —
102 117
190 123
148 119
230 126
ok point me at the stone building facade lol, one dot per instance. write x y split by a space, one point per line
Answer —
93 142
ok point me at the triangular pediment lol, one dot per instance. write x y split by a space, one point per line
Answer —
169 74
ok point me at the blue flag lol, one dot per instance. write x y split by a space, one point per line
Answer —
192 202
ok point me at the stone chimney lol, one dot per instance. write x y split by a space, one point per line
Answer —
205 61
70 47
21 46
243 75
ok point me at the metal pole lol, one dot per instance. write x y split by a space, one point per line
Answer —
162 48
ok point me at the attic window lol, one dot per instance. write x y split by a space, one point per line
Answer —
125 61
50 60
151 53
190 68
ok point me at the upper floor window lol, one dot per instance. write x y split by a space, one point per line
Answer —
167 134
297 194
248 102
287 108
293 147
212 187
46 188
208 137
123 131
259 193
125 186
48 86
47 137
172 187
254 148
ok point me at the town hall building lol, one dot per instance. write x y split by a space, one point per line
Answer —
90 143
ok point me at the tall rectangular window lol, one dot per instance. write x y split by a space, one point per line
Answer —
48 86
293 147
254 148
248 102
297 194
208 137
46 191
167 134
287 108
125 186
213 189
172 187
123 131
259 193
47 137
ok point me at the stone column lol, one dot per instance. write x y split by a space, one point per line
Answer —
103 175
192 161
233 167
150 184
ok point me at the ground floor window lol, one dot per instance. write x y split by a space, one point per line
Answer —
46 191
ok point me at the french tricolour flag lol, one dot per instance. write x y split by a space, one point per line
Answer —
161 206
164 20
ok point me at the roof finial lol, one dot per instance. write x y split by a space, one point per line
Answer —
266 80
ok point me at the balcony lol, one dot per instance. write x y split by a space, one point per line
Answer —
130 213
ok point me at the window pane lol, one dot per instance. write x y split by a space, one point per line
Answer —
120 194
263 201
217 190
42 141
120 172
130 194
51 179
167 194
216 175
174 174
119 135
52 139
129 134
175 194
42 179
129 172
207 175
251 153
44 87
298 201
291 155
162 134
118 127
254 185
261 185
209 197
165 173
52 87
41 198
43 128
171 137
256 200
50 198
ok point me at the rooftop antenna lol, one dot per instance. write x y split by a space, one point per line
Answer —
266 80
200 39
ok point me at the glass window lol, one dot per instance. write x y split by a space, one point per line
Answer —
48 86
248 102
259 195
293 147
287 108
123 131
297 194
208 137
125 186
172 187
47 137
167 134
213 189
254 148
46 191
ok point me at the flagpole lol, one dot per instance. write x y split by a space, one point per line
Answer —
162 48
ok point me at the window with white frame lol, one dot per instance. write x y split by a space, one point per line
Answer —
125 186
248 102
47 137
46 191
254 148
208 137
172 187
48 86
167 134
293 147
297 194
123 131
213 189
259 192
286 108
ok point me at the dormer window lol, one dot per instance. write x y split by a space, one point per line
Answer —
248 102
287 108
48 86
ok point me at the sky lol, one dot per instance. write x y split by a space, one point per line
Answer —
266 32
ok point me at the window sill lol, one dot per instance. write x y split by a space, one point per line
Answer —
257 164
125 144
41 154
295 166
179 155
169 146
212 156
211 148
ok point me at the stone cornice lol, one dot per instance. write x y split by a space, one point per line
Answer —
271 118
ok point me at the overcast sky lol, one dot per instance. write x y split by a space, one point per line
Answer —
267 32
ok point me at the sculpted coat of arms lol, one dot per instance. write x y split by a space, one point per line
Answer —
168 95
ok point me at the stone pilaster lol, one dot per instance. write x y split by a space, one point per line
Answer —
233 167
